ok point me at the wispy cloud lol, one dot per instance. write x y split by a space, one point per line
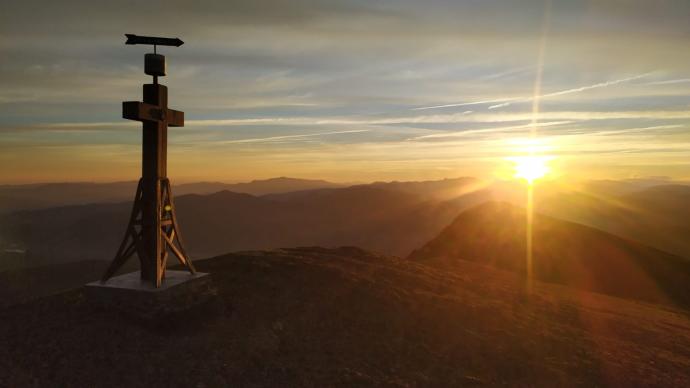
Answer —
345 61
451 118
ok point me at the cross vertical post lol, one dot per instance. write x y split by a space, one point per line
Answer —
153 169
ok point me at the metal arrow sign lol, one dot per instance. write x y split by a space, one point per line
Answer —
154 40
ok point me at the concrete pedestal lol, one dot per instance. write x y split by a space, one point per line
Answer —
179 293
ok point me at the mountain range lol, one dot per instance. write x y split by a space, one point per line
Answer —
47 195
392 218
377 218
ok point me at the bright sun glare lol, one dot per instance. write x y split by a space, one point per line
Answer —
531 167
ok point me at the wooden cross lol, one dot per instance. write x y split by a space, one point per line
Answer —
153 229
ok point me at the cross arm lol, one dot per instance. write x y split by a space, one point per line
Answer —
141 111
175 118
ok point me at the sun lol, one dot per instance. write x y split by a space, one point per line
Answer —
530 161
531 167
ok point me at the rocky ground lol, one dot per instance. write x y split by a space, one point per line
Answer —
344 317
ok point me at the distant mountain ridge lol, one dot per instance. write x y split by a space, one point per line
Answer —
388 217
384 220
47 195
444 189
257 187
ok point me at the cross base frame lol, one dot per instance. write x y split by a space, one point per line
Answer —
151 238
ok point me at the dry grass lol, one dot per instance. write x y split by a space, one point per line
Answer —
317 317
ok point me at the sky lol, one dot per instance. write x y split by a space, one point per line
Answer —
350 91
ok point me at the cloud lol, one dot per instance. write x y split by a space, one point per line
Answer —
285 68
454 118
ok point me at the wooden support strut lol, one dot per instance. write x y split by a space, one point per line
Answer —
126 250
169 237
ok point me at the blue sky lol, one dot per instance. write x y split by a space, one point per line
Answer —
350 91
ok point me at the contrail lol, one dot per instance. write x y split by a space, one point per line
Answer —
599 85
464 104
488 130
271 138
484 78
503 102
575 90
505 73
669 82
639 129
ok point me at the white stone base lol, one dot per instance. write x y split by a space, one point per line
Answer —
133 281
179 292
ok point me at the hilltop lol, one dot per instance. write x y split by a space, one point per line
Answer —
346 317
579 256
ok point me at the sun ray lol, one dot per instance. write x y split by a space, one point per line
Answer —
533 167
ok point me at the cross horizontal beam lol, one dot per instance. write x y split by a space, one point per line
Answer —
141 111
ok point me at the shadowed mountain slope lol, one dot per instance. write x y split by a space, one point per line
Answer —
389 221
343 317
564 252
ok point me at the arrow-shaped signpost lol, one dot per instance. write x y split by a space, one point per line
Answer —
154 40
